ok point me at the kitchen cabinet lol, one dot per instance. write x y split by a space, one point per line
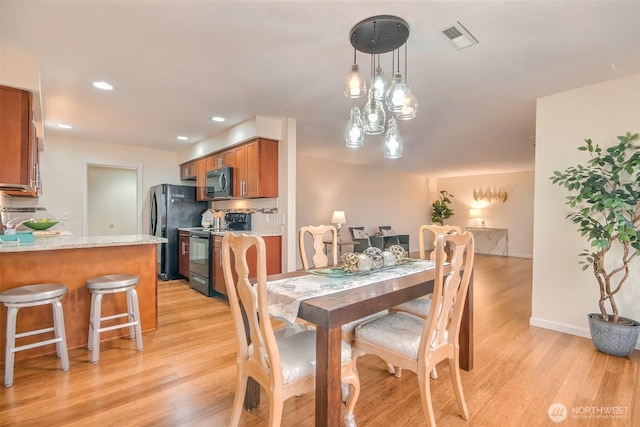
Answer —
203 165
273 245
256 169
19 162
189 171
225 158
183 253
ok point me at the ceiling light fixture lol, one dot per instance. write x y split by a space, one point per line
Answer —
218 119
103 85
63 126
377 35
183 138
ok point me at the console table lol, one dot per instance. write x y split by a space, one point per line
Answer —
491 241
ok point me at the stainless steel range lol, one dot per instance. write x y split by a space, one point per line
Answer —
200 271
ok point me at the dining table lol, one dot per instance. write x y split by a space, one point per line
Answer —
329 299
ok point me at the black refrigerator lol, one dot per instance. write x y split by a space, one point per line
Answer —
172 206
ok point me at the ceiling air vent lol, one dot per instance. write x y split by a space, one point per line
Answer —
458 36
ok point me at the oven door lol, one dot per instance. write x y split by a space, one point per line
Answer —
199 262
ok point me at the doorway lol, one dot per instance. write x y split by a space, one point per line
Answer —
112 202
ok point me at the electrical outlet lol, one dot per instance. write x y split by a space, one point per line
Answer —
65 216
280 219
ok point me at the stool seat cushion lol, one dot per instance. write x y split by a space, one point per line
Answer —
112 281
33 293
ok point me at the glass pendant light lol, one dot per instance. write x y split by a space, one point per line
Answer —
409 108
354 84
396 94
354 131
373 115
379 84
392 141
410 103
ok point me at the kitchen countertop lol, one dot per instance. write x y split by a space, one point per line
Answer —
223 232
48 243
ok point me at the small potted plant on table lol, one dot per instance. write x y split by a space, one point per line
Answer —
605 203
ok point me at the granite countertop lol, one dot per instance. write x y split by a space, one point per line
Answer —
48 243
215 232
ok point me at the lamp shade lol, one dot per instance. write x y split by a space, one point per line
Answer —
475 213
338 217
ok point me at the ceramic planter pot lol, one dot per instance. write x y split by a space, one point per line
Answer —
613 339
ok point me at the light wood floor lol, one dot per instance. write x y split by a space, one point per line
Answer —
185 375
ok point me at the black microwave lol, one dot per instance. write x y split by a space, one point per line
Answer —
220 182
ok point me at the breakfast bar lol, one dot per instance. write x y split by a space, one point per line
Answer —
72 260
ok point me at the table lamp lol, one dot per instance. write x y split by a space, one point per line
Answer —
338 219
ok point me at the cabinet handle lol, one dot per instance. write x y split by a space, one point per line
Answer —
184 248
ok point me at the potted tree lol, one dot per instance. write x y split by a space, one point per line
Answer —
441 209
605 205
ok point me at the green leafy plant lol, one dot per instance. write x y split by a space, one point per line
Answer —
441 209
604 199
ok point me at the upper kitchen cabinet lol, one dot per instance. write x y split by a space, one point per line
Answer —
226 158
203 165
256 169
19 169
189 171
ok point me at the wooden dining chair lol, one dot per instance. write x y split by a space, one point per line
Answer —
320 260
318 233
421 306
282 363
411 342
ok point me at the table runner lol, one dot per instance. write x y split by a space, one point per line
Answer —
285 295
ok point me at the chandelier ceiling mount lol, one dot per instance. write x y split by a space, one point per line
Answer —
379 34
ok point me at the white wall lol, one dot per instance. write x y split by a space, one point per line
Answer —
562 293
112 201
369 197
516 213
62 166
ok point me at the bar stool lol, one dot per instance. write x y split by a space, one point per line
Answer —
30 296
111 284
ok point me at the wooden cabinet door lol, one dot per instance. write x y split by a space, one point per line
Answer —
256 169
189 171
183 254
204 165
239 171
228 158
18 143
216 268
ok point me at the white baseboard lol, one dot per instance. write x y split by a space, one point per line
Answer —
521 255
564 328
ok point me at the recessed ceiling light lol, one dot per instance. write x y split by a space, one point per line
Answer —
63 126
103 85
218 119
183 138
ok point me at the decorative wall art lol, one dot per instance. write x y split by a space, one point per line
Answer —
489 195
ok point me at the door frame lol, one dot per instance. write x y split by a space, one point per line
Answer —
86 163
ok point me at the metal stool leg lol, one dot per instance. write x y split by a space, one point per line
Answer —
135 310
58 326
95 320
130 314
91 327
12 313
